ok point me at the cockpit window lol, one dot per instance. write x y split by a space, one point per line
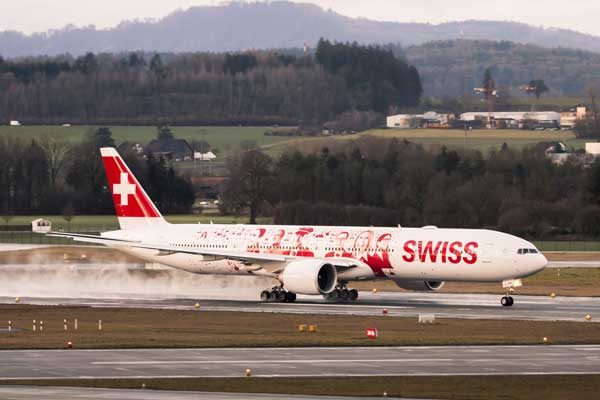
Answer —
527 251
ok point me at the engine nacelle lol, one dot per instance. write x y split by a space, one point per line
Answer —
309 277
419 286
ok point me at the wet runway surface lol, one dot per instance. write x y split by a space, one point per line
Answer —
472 306
60 393
301 362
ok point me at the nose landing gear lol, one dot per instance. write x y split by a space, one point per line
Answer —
277 294
507 301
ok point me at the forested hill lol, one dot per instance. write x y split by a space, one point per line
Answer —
454 68
271 25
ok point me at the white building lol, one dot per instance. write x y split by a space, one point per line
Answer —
14 123
204 156
519 117
593 148
411 121
569 117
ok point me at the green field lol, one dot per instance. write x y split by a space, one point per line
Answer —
226 139
87 222
433 139
222 138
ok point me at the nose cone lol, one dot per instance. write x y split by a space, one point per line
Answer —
539 263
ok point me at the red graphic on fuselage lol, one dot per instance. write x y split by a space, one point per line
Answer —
299 249
339 249
380 258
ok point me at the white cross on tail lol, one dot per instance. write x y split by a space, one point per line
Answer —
124 189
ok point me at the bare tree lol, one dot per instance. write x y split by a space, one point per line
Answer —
250 175
56 152
592 90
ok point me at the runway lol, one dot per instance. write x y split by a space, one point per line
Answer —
301 362
397 304
63 393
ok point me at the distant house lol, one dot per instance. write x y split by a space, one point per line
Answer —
204 156
126 147
170 149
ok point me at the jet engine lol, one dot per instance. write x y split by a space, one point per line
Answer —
419 286
309 277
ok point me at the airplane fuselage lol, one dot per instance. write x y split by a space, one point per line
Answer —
428 254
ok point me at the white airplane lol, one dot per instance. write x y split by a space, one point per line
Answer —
312 260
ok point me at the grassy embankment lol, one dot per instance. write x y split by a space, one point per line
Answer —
145 328
530 387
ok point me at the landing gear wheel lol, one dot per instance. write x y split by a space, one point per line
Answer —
290 297
281 296
353 294
344 294
507 301
265 295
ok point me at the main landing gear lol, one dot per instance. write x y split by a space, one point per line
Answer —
341 292
507 301
278 294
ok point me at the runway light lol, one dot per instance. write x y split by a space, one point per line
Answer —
384 394
69 345
588 317
385 311
313 328
197 306
374 290
248 372
511 290
553 295
144 385
545 340
17 300
302 328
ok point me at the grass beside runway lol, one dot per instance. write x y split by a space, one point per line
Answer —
146 328
532 387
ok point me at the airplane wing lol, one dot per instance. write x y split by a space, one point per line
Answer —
234 255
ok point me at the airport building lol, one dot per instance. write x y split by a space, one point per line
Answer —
430 119
516 119
570 116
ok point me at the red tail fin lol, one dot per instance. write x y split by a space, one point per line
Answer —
133 206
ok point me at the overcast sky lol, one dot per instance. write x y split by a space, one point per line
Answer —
41 15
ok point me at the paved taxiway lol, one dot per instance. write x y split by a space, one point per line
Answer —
62 393
296 362
472 306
